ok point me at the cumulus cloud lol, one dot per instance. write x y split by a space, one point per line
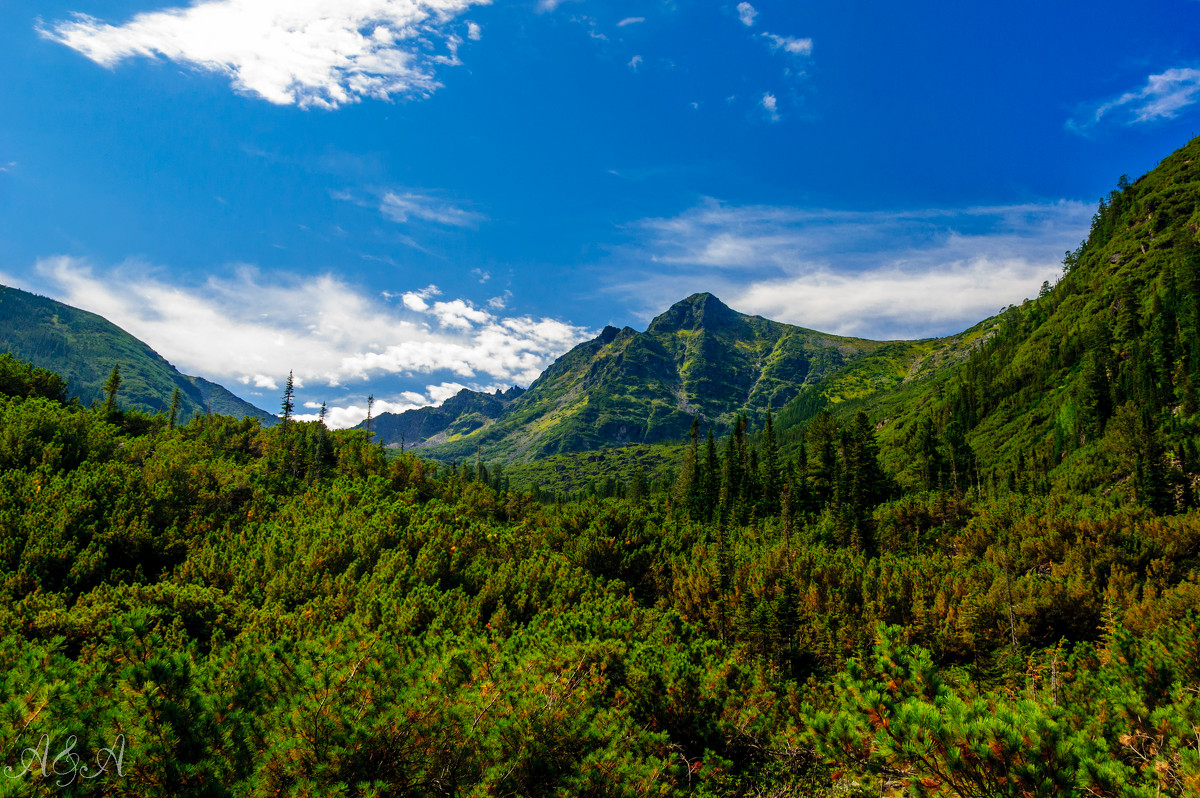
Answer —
416 300
251 329
789 44
770 105
1164 96
310 53
879 274
474 31
746 13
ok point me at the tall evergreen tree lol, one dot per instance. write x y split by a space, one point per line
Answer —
111 386
173 413
289 400
769 468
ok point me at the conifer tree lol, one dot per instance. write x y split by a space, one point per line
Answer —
173 413
111 386
289 400
712 476
638 489
769 469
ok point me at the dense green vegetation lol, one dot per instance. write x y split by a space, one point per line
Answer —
287 611
976 574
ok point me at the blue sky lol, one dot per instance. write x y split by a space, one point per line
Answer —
405 197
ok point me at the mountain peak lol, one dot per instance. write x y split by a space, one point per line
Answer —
698 311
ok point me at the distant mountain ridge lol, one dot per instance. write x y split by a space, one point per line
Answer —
83 347
461 414
699 358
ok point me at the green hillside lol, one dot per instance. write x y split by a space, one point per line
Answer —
1089 386
83 348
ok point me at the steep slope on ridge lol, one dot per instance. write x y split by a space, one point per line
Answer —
83 348
1092 384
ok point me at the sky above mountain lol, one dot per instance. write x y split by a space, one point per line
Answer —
405 197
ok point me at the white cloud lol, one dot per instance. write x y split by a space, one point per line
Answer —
458 313
635 62
250 329
311 53
403 206
789 44
630 21
500 302
746 13
415 302
7 167
1164 96
878 274
474 31
770 105
482 275
550 5
348 415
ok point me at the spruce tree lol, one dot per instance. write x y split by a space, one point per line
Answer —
111 386
289 400
173 414
769 469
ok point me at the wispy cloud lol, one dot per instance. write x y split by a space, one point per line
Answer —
746 13
474 31
310 53
630 21
250 329
1164 96
880 274
789 44
403 206
635 63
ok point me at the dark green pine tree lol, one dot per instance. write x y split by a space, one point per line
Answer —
111 386
173 413
638 489
768 466
689 487
288 405
711 477
821 443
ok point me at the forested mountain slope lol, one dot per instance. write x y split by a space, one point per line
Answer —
1091 385
83 348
